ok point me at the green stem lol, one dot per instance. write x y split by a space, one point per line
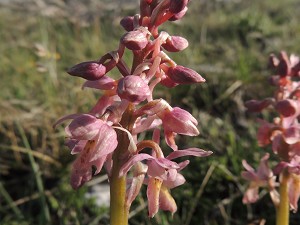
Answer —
282 213
118 210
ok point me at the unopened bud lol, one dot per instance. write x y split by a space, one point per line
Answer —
179 15
183 75
258 106
90 70
175 44
284 67
127 23
167 82
273 61
177 6
287 107
135 40
133 88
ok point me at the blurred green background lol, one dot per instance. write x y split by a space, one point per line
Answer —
230 41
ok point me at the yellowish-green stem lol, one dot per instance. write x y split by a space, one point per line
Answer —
118 210
282 213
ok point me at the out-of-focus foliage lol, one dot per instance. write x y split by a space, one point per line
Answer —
230 41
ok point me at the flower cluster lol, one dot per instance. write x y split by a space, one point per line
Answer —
283 133
109 134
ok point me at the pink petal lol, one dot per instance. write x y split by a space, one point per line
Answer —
292 135
264 133
84 127
101 105
133 160
67 117
76 146
170 139
166 201
99 164
249 176
155 170
153 192
153 107
189 152
106 142
104 83
181 122
174 182
247 166
147 123
294 192
183 164
287 107
251 195
136 183
79 176
263 170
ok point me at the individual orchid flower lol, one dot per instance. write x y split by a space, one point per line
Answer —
263 177
93 139
162 175
177 121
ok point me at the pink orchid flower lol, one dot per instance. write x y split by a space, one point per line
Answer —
162 175
91 138
263 177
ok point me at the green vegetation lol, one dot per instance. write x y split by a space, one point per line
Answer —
229 45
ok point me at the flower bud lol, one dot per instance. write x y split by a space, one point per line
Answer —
258 106
179 15
133 88
127 23
177 6
284 66
167 82
287 107
135 40
90 70
175 44
183 75
273 61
